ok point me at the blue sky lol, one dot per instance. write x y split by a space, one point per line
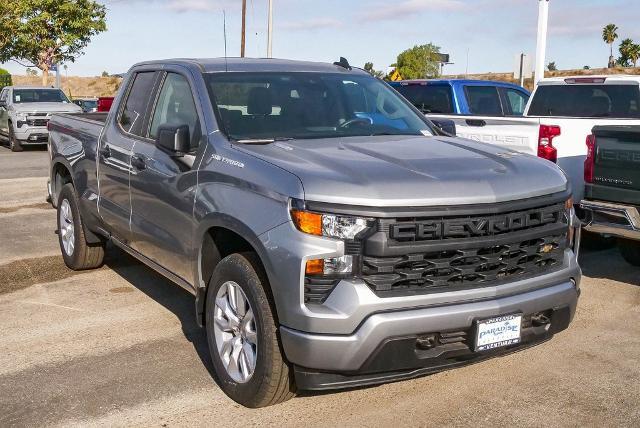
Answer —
492 31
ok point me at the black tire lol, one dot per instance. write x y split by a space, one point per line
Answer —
272 381
630 251
83 255
14 144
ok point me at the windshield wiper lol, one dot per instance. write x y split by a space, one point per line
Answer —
259 141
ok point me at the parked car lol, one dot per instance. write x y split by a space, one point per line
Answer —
88 105
331 234
104 104
25 112
558 117
612 194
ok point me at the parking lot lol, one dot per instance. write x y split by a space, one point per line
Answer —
120 346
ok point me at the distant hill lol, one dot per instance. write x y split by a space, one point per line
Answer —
77 86
528 83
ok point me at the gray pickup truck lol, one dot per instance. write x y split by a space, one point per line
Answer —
333 237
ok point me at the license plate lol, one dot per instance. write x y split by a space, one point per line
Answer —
498 332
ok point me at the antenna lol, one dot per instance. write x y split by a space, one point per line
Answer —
224 26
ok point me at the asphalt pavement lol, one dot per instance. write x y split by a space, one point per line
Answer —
119 346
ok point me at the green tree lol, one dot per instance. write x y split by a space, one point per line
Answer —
634 54
368 67
105 74
609 35
626 52
3 71
45 32
419 62
552 66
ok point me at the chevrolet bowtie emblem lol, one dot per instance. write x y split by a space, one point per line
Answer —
547 248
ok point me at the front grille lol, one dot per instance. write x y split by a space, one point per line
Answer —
430 255
37 122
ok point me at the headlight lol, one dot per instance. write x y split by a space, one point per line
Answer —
329 225
570 216
21 116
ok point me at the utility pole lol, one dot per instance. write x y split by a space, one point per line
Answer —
270 31
522 69
244 27
543 21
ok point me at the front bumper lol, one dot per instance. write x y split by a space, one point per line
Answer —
390 345
32 135
612 219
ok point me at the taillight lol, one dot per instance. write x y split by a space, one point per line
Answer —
590 161
545 142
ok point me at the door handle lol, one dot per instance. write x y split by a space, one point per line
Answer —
476 122
105 152
138 162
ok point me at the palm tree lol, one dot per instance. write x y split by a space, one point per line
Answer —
634 54
609 35
626 52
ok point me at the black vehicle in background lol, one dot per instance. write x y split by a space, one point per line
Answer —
612 193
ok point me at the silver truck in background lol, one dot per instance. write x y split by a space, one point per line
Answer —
557 119
25 112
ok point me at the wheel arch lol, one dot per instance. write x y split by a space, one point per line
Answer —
218 236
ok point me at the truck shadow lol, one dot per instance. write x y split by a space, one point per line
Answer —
171 296
607 263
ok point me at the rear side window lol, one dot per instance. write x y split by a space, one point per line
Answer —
483 100
516 101
135 108
428 98
588 101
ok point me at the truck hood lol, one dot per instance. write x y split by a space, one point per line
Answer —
401 171
46 108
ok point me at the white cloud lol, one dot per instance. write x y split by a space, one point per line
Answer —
311 24
392 11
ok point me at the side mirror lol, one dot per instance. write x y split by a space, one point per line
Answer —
446 125
174 139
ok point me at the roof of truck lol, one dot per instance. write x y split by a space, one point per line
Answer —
210 65
30 87
457 82
607 77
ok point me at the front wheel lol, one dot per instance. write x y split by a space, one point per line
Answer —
242 334
630 251
14 144
77 253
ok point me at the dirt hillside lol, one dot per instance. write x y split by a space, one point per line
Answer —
528 83
77 86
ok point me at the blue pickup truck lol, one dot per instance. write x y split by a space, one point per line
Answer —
464 97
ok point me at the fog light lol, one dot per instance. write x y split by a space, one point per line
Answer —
332 266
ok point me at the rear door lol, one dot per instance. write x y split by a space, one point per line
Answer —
162 185
115 151
4 115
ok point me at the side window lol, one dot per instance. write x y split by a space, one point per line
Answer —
516 101
135 108
483 100
176 107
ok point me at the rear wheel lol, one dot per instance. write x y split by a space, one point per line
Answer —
242 334
630 251
77 253
14 144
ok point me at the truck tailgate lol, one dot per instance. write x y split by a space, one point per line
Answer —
515 133
616 174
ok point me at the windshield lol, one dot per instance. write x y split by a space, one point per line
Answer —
428 98
275 105
39 96
588 101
